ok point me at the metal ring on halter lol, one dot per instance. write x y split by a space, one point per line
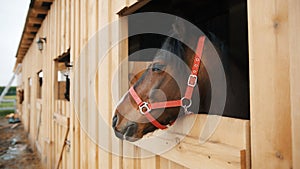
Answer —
142 106
187 105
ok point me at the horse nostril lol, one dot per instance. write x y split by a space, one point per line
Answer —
130 129
114 121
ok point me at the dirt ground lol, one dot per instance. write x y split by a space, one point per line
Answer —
15 151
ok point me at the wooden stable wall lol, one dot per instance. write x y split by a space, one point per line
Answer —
29 84
89 16
274 81
40 116
274 67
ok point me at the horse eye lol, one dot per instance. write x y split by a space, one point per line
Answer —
157 68
154 69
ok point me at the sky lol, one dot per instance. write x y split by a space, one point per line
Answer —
12 19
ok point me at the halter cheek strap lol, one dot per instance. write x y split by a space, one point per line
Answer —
145 109
185 102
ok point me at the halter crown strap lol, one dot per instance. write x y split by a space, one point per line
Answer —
192 81
145 108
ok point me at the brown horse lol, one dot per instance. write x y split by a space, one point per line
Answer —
164 80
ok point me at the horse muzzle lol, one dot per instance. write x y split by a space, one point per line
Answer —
125 132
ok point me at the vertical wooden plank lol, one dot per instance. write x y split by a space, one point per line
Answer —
92 17
58 28
269 84
26 93
104 157
83 23
92 62
83 85
68 31
63 131
149 162
34 109
95 26
54 85
98 95
65 153
71 43
109 82
30 115
76 49
47 78
43 125
69 155
49 81
163 163
119 54
128 154
62 26
294 50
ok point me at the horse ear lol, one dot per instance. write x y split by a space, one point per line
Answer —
179 28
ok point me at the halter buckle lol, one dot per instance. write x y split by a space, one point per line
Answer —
192 81
144 106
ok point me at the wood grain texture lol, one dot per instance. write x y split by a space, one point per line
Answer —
294 50
221 150
269 84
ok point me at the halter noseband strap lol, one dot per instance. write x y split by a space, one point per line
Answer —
185 102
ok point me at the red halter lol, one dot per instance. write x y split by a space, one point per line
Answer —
145 108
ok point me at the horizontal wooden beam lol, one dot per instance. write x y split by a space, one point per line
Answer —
22 49
44 0
213 155
31 29
21 54
34 20
129 10
227 147
26 41
20 57
28 35
39 10
25 46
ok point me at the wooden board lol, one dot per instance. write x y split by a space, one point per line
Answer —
294 50
224 149
269 84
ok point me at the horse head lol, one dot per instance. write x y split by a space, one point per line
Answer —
165 80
